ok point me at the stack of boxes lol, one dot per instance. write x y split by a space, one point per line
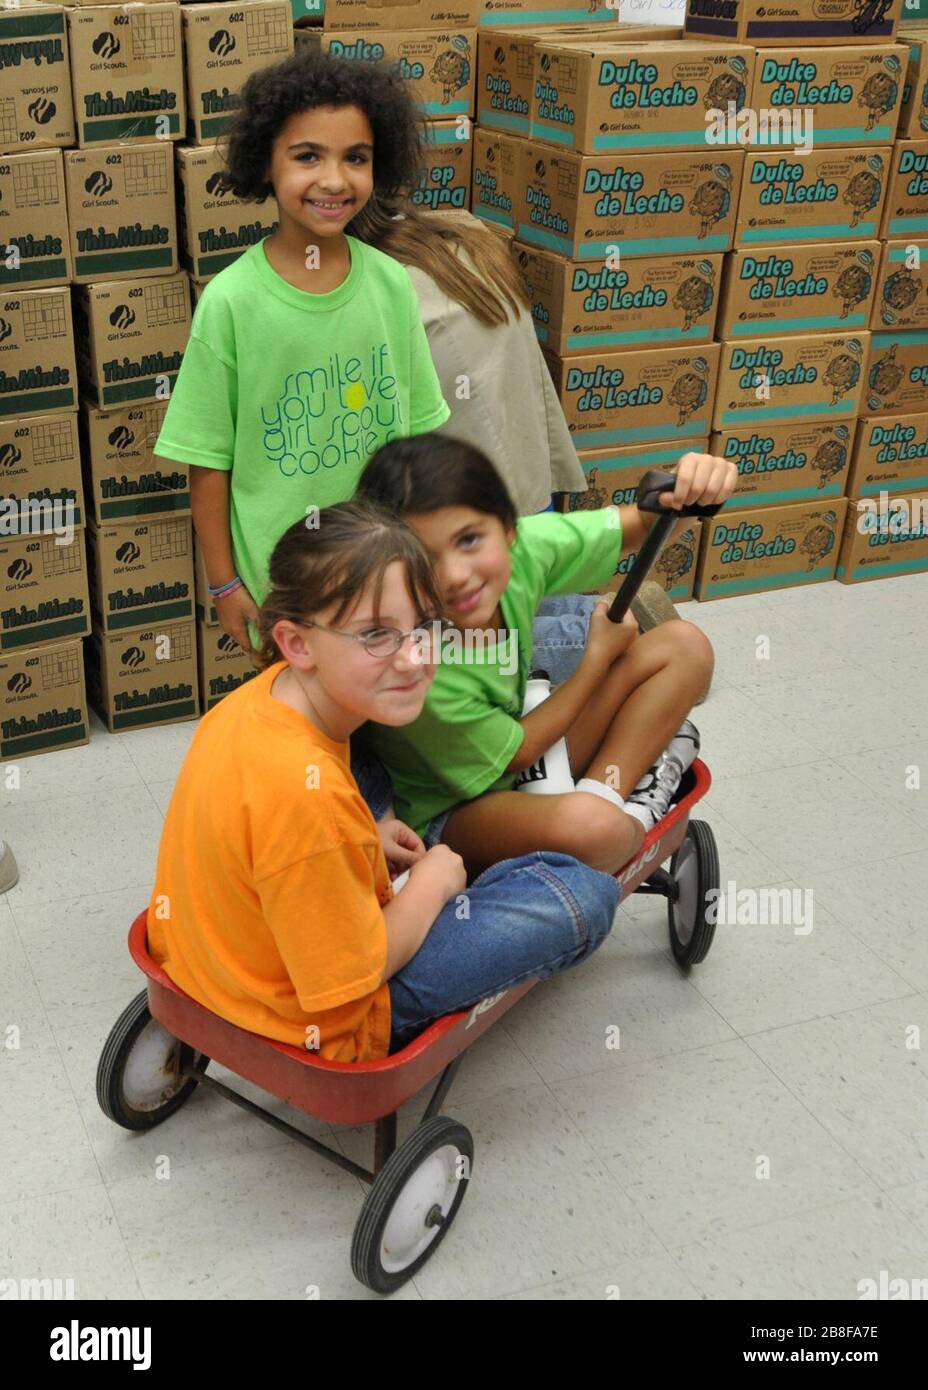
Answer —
44 606
109 228
621 226
692 287
728 281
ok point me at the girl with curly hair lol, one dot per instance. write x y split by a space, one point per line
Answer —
308 352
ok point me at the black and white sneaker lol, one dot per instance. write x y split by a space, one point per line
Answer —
655 790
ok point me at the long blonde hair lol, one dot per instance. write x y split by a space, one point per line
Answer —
430 241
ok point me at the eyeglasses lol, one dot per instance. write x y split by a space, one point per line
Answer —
382 642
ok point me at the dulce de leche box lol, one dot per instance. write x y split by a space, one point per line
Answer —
902 288
906 207
799 289
825 195
884 540
578 307
613 475
636 397
890 456
606 96
584 207
814 377
786 463
849 96
769 548
913 114
897 374
497 177
506 65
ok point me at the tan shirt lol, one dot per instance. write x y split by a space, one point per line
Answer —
513 413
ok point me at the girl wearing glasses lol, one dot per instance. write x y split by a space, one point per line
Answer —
273 904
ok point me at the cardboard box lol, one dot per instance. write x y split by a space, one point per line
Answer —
223 665
636 397
788 22
382 14
810 377
586 206
43 704
122 476
613 475
40 469
901 300
897 375
36 106
778 464
510 14
889 456
34 239
591 308
749 552
131 338
215 226
811 288
438 65
72 4
205 607
143 678
913 116
128 71
881 542
466 218
499 171
851 95
43 591
196 289
825 195
906 207
506 65
674 569
121 211
224 44
141 572
446 177
612 97
37 369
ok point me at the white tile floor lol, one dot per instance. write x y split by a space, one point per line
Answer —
634 1168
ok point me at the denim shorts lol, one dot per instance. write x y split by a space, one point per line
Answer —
559 636
523 919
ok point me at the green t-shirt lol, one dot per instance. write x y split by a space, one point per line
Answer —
294 391
469 729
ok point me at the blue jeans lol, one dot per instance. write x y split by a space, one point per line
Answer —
559 634
523 919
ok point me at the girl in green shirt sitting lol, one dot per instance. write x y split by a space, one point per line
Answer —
455 767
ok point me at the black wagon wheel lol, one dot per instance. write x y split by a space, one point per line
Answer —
691 916
139 1081
412 1202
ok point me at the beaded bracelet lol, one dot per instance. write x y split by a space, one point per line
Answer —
221 590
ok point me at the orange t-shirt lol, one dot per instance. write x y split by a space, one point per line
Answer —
271 881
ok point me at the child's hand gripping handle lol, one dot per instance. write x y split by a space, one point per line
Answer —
655 482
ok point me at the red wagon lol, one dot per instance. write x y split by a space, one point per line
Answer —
159 1050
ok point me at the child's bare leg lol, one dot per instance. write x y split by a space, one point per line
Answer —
503 825
640 705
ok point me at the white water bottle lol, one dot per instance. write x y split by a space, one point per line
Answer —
551 773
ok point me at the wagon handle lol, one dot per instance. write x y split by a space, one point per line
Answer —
654 482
